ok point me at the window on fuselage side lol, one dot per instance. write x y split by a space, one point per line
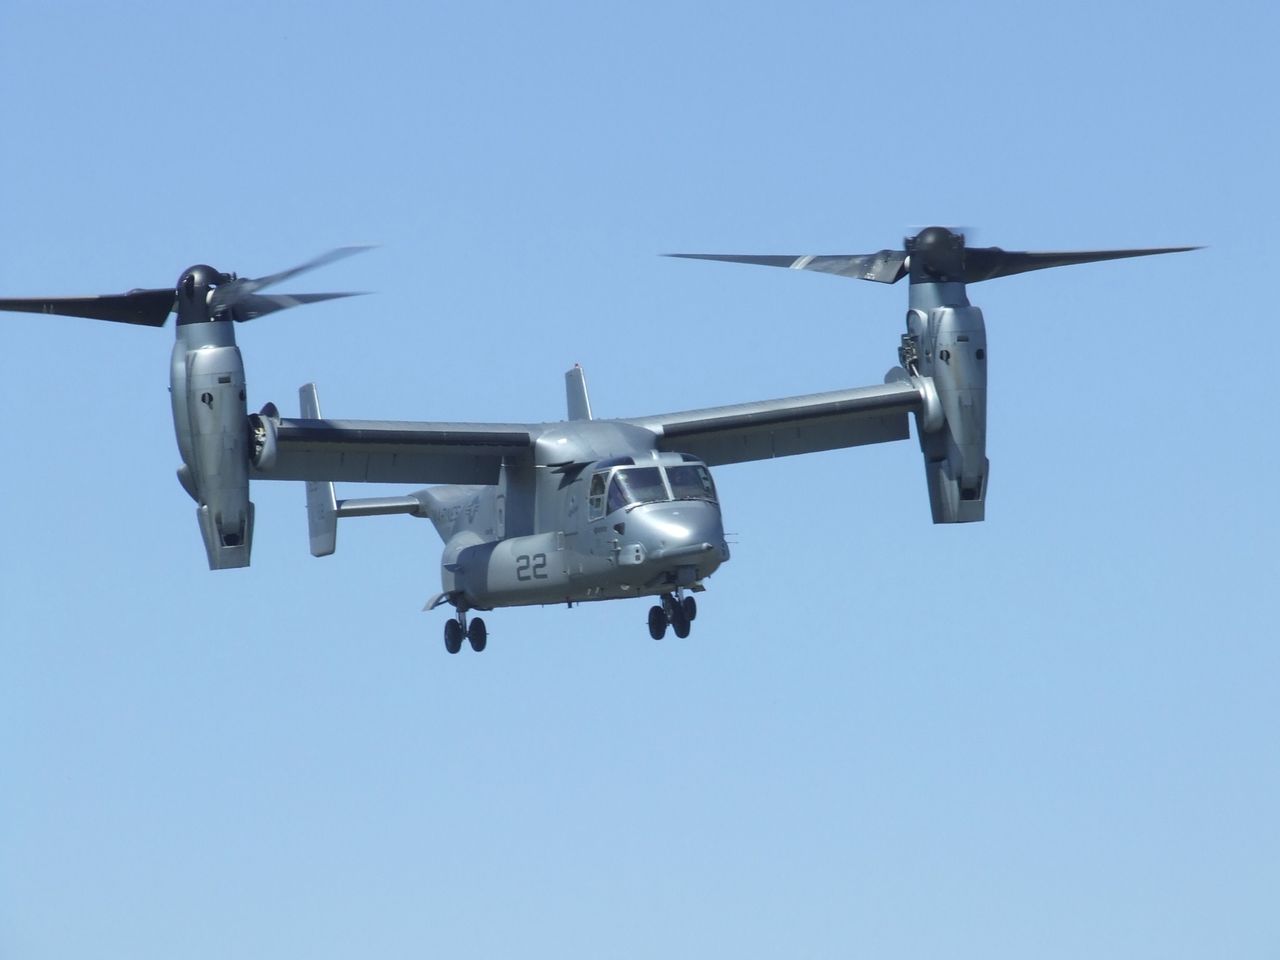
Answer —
595 496
691 482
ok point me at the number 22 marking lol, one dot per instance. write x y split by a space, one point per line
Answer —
531 567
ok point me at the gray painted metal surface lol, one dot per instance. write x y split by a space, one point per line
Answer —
576 399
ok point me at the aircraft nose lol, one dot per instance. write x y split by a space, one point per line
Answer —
687 530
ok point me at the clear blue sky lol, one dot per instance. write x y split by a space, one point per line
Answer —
1052 735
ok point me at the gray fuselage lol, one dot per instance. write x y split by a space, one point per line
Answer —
597 514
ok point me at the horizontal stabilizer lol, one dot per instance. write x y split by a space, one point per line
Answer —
324 509
379 506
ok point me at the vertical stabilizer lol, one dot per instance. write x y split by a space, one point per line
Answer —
575 388
322 504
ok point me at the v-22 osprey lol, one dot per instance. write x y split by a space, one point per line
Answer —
581 509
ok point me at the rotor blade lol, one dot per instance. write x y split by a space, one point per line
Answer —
148 308
259 304
988 263
230 293
886 266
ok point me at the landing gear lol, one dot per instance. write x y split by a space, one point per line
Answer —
452 636
677 611
657 623
478 634
676 615
680 625
456 630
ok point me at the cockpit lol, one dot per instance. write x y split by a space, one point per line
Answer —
621 483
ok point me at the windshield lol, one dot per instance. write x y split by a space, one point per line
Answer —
691 482
636 485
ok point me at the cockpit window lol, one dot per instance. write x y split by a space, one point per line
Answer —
595 495
691 483
636 485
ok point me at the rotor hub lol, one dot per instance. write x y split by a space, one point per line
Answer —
937 255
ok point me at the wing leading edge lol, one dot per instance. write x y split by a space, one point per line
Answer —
390 451
792 425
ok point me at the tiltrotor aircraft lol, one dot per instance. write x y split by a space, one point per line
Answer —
581 509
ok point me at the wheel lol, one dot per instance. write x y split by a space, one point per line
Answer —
680 623
452 636
657 623
478 634
690 609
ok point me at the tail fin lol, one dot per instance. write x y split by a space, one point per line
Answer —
323 506
575 388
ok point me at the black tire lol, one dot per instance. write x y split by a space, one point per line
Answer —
478 634
680 624
690 609
452 636
657 623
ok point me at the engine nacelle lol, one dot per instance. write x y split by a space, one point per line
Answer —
951 346
211 422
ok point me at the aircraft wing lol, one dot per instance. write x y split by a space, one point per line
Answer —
391 451
782 428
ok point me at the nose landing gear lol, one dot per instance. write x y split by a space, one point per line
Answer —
676 611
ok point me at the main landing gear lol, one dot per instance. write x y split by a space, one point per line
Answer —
457 628
676 611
